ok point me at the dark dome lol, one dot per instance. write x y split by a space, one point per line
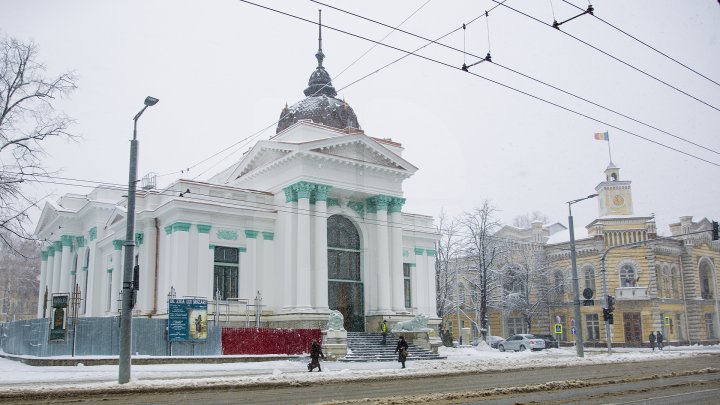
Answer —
320 105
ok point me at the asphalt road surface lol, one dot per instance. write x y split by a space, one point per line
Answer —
694 380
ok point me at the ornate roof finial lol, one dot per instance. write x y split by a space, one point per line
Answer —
320 55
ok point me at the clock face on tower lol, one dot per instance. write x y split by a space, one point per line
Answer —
618 200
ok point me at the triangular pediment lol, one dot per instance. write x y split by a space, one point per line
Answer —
358 151
117 216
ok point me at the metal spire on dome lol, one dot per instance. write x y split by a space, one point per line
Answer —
320 55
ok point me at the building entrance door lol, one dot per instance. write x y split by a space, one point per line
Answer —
345 286
633 330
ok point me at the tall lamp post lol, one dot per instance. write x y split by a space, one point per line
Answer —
576 288
128 290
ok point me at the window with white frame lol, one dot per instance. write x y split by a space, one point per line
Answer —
592 327
589 273
627 276
515 325
707 290
226 271
407 283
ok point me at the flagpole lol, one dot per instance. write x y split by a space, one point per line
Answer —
609 153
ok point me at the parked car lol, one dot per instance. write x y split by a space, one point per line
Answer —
549 339
521 342
494 340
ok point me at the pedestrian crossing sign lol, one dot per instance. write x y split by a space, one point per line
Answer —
558 328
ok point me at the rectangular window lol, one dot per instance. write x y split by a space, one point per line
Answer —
592 325
515 326
407 283
710 326
226 270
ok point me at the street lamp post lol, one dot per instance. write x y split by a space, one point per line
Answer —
608 336
127 290
576 289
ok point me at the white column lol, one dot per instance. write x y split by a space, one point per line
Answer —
422 282
181 256
383 264
248 270
288 219
56 267
66 264
430 279
43 281
266 277
303 190
50 269
205 273
396 257
147 248
94 291
320 279
117 271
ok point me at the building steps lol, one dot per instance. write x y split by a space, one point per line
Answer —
363 346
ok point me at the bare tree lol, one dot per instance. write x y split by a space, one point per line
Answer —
19 270
524 221
448 251
27 119
480 252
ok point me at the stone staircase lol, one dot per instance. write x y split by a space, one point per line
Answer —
364 346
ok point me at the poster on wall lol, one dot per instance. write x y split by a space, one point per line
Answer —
187 320
58 321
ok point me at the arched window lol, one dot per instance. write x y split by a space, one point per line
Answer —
627 276
343 249
707 290
589 273
512 280
559 286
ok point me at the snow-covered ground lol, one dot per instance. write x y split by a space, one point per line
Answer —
16 377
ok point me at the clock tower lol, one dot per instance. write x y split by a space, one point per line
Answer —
614 195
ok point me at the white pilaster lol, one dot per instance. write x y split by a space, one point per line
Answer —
422 283
43 281
432 288
266 279
303 190
205 273
289 218
66 264
56 267
179 274
320 279
116 275
50 270
396 266
147 247
248 270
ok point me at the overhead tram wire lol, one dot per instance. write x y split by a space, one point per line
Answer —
649 46
490 80
258 133
611 56
520 73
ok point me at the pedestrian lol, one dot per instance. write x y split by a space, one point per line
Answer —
402 350
659 340
652 340
383 330
315 354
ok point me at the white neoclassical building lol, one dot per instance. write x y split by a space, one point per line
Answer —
311 219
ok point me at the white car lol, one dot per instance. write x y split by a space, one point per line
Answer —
521 342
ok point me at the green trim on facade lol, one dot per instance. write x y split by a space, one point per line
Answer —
139 238
419 251
181 227
411 264
406 253
73 272
321 192
118 244
109 270
290 195
396 204
80 241
51 251
58 246
378 202
92 233
358 207
251 234
242 249
431 252
303 189
333 202
66 240
168 230
202 228
85 269
227 234
44 255
268 235
211 246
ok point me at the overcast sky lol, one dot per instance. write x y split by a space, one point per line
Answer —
224 69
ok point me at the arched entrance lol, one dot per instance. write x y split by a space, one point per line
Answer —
345 286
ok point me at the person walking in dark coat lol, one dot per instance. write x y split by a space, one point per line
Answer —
652 340
659 340
402 350
315 354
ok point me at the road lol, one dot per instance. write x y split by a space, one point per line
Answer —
693 380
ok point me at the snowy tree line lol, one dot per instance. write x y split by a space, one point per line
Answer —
479 272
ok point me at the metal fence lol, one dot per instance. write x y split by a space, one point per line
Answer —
100 337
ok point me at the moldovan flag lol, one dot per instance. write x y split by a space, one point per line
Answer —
602 136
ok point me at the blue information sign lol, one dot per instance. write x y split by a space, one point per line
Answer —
187 320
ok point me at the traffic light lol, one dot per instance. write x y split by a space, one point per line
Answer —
610 304
715 230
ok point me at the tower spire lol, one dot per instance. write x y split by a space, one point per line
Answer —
320 55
